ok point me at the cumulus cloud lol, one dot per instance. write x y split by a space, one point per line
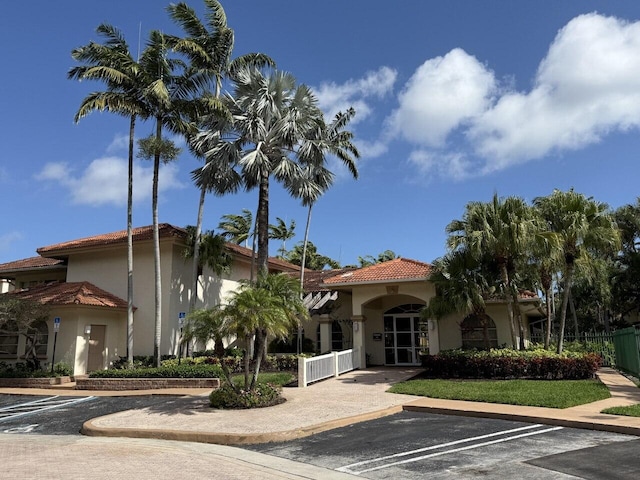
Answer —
587 86
444 93
104 181
356 93
430 163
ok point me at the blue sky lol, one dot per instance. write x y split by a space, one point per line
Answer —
455 100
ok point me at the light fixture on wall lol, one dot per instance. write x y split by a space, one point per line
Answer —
87 329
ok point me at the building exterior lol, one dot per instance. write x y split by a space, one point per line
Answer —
84 282
376 311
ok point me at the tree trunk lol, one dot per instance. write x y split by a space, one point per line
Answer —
196 253
574 317
504 274
254 243
132 125
565 301
302 267
156 250
263 224
549 297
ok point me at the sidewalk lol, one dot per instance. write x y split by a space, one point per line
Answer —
357 396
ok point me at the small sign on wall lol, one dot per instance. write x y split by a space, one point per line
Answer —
377 337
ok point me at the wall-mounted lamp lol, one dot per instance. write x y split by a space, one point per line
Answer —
432 325
87 329
356 326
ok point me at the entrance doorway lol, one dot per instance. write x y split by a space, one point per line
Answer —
402 335
95 360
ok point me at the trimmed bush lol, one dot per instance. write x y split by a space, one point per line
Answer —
26 370
169 371
264 395
507 363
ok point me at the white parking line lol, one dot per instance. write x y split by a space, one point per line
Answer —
348 468
36 406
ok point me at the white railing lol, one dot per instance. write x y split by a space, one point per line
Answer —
324 366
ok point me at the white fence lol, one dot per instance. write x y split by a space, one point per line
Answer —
324 366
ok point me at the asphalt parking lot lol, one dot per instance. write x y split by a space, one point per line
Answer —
419 445
60 415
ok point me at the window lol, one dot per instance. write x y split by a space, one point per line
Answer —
9 341
479 331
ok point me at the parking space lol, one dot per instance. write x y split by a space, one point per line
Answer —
419 445
60 415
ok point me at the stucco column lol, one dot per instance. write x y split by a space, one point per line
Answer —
325 333
359 338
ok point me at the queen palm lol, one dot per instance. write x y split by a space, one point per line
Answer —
237 228
502 229
209 47
113 64
461 284
280 231
582 226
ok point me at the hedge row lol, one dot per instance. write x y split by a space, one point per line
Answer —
274 363
506 363
168 371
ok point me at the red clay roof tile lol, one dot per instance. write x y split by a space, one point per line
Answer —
73 293
29 264
397 269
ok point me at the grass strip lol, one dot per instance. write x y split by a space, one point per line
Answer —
275 378
535 393
629 411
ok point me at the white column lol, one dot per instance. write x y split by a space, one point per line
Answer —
359 338
434 337
325 333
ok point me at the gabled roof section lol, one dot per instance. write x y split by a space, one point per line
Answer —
114 238
314 279
74 293
398 269
31 263
274 262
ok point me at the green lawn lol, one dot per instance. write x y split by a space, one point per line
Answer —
630 411
535 393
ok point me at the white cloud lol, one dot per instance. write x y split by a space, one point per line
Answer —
333 97
373 149
442 94
104 181
587 86
432 163
120 143
7 239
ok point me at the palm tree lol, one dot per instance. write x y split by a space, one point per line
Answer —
461 284
113 64
237 228
272 304
170 97
312 259
503 230
582 226
280 231
209 47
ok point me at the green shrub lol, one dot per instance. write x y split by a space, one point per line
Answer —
508 363
23 370
62 369
263 395
170 371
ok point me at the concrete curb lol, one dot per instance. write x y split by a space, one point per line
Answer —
90 429
545 420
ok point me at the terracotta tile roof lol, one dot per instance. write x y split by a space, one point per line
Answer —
139 233
314 279
273 261
74 293
29 264
397 269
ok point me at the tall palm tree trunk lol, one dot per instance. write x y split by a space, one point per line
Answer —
549 298
302 267
196 253
263 224
568 281
504 274
574 317
132 125
156 249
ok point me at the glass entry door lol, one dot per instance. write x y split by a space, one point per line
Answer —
401 339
